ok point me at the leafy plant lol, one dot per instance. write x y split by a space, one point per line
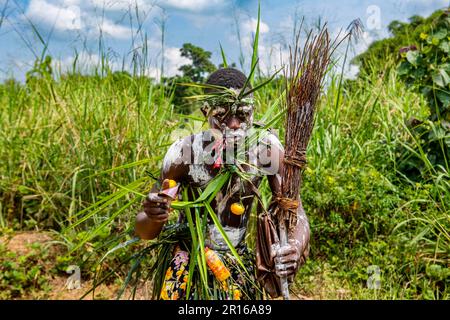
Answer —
426 69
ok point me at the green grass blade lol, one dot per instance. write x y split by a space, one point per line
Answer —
201 258
224 58
93 233
224 235
214 186
255 45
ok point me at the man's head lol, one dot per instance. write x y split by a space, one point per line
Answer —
225 116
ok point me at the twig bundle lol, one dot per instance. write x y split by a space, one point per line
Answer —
307 69
304 77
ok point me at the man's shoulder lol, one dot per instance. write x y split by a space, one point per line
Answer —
270 137
188 140
183 149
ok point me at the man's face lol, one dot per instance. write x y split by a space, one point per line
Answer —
232 121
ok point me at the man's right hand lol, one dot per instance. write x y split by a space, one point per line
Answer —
157 208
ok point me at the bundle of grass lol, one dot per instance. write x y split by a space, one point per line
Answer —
306 71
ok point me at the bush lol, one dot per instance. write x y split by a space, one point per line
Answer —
426 69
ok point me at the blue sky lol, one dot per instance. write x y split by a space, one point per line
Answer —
74 27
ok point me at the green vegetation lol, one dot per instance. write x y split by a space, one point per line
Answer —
78 153
196 71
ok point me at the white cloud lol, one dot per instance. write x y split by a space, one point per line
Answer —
173 60
193 5
442 3
249 26
63 18
84 16
114 30
272 53
85 63
120 5
351 72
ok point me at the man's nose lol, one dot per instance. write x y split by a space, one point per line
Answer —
233 123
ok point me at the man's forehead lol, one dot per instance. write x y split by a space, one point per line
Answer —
230 107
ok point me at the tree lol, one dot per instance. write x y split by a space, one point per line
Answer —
201 65
403 34
196 71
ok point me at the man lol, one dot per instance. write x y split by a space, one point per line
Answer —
195 160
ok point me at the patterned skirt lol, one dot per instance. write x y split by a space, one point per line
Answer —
241 284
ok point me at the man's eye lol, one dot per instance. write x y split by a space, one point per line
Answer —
219 112
245 110
243 113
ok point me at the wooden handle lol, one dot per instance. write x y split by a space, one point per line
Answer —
283 241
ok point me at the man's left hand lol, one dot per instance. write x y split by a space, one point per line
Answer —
287 259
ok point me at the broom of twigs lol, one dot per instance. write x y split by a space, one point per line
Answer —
304 76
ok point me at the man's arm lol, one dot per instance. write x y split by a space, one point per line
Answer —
150 222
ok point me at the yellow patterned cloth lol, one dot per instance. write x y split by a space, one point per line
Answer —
236 287
175 281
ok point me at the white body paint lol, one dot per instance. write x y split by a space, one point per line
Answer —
173 155
197 170
215 240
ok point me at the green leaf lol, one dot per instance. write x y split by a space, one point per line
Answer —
224 59
249 79
262 84
104 224
441 78
120 246
444 97
194 249
435 41
446 67
213 187
445 46
201 259
440 34
255 44
412 57
404 68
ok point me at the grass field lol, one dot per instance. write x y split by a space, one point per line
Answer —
68 141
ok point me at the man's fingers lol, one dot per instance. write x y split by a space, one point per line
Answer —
161 219
153 197
286 250
274 250
158 212
286 259
285 266
286 273
160 216
163 205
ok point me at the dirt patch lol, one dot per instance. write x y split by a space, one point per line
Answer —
20 243
60 291
58 287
